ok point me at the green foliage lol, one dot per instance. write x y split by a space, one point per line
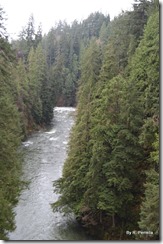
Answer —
35 86
145 78
149 215
63 46
92 25
111 70
72 186
9 158
114 144
34 90
22 99
28 38
10 131
43 88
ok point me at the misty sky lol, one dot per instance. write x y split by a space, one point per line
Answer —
48 12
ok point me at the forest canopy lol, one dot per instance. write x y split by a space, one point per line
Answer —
109 71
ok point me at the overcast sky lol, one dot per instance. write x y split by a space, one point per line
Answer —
48 12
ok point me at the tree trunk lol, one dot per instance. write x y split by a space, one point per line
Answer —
100 217
113 220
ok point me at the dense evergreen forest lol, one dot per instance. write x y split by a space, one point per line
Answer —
111 176
109 70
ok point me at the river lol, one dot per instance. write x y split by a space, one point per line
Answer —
44 156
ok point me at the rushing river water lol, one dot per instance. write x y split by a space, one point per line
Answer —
44 156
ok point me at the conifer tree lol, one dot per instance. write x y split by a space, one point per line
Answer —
149 215
35 87
23 99
10 137
148 73
113 141
45 86
72 185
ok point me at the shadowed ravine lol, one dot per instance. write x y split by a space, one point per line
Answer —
44 154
